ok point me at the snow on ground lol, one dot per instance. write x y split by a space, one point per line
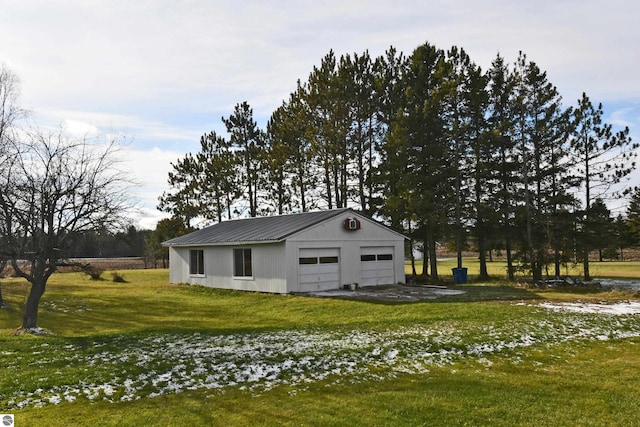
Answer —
619 283
622 308
126 368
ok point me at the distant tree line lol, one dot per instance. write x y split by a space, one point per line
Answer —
432 144
108 243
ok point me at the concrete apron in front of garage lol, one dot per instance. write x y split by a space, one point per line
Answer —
398 293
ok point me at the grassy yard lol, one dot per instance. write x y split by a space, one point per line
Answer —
149 353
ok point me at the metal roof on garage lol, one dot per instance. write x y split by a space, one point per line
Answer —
254 230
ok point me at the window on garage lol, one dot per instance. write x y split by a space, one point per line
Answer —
242 263
307 260
196 262
379 257
328 260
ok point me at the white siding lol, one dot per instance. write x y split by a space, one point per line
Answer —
178 265
267 268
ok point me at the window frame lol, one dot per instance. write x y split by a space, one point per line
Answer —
244 263
196 263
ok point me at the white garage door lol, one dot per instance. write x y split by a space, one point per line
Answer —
318 269
376 266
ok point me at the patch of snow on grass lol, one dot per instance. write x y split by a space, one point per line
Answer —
621 308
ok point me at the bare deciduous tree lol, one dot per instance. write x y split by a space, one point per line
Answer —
53 186
10 112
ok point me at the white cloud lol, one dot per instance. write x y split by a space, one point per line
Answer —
147 219
80 129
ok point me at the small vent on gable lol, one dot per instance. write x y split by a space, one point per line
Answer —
352 224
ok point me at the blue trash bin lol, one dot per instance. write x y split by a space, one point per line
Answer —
459 275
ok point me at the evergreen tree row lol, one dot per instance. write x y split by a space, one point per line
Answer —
431 143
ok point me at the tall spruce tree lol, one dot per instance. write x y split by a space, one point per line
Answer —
329 124
247 143
466 103
480 173
182 201
603 158
389 201
287 128
363 135
426 182
504 162
279 152
541 130
216 171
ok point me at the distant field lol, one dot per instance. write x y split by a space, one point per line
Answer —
498 269
150 353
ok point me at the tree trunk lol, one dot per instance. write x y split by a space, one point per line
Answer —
413 258
510 267
2 305
430 242
536 264
30 318
425 260
433 261
327 180
484 274
587 273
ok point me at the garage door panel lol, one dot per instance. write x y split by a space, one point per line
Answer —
318 269
377 266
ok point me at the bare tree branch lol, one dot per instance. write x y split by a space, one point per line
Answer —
52 186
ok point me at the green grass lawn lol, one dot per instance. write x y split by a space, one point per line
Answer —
147 352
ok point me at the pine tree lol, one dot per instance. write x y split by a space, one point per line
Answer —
217 182
365 129
328 127
504 163
541 130
388 70
603 157
183 200
287 129
247 143
426 183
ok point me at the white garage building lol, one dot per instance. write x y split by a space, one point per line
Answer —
303 252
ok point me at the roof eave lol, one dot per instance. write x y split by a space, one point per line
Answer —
234 243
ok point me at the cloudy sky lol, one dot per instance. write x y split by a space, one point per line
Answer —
164 72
